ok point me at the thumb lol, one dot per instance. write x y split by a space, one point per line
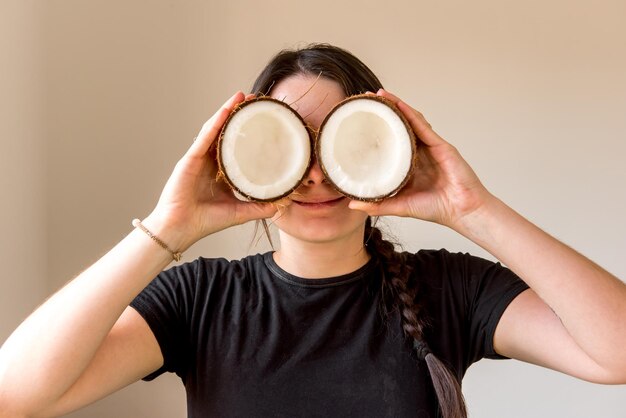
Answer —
388 207
249 211
371 208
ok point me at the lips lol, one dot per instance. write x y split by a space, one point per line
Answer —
318 202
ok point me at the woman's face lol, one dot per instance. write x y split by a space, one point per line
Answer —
318 213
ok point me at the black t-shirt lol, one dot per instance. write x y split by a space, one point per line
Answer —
249 339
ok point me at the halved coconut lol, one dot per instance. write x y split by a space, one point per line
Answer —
264 149
366 148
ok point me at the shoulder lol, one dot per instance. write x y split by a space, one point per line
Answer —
465 292
464 285
442 258
192 287
216 268
443 264
204 278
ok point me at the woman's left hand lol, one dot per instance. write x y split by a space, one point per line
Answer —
572 320
443 187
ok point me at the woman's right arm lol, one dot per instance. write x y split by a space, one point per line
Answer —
85 342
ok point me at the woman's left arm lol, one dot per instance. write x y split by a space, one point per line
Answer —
573 319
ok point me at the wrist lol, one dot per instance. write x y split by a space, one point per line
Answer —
176 255
478 224
174 235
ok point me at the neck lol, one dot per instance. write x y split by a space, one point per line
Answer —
315 260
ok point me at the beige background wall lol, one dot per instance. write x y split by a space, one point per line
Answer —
23 252
99 99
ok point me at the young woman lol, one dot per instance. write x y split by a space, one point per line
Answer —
335 322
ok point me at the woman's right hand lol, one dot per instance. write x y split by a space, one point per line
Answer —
85 342
195 202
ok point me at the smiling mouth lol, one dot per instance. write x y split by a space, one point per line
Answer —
320 204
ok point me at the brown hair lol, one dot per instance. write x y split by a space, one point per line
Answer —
355 77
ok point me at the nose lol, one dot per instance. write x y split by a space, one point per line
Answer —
315 175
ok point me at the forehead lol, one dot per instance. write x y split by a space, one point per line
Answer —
310 96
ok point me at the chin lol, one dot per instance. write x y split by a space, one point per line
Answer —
349 225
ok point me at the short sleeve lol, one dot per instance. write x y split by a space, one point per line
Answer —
465 297
163 305
489 289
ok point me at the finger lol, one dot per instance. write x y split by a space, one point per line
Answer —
370 208
282 203
250 96
420 125
249 211
212 127
387 95
390 207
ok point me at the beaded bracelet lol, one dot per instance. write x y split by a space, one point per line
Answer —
175 255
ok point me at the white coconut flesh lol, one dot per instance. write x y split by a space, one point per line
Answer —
265 150
365 149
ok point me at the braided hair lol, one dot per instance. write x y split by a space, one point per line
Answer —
403 293
355 77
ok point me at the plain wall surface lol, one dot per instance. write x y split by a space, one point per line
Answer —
99 100
23 251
